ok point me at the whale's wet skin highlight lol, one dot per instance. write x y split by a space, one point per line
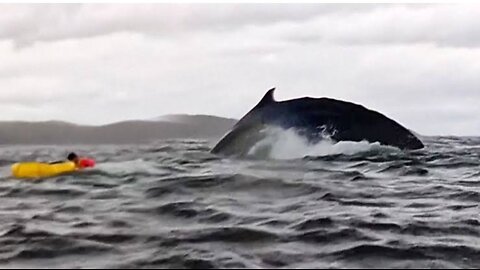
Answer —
174 204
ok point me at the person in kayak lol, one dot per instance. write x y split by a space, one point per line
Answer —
71 157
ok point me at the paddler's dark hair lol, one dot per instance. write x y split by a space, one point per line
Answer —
72 156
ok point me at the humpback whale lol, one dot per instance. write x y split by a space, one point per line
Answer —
315 119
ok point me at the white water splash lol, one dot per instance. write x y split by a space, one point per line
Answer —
288 144
136 165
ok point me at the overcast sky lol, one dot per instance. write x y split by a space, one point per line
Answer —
96 64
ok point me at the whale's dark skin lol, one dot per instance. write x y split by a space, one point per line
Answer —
344 121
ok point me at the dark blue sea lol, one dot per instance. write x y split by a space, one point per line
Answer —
173 204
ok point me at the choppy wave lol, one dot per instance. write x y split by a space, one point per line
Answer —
173 204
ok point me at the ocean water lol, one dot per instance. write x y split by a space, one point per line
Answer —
174 204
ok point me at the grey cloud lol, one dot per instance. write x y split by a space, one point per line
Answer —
124 71
26 24
361 24
442 25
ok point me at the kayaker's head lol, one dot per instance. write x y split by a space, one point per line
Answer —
73 157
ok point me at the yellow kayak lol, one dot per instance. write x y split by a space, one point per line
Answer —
41 170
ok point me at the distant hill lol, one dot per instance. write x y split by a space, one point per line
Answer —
195 119
141 131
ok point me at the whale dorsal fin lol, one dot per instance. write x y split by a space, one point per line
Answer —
267 99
